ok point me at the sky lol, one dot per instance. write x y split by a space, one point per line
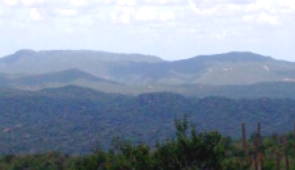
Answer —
170 29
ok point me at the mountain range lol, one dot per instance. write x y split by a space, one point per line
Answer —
233 74
76 101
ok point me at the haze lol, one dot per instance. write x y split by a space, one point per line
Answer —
171 29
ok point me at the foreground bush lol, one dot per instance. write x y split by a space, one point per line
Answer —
189 150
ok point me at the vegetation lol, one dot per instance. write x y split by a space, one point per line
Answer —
74 120
189 150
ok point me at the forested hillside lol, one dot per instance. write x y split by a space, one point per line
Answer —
75 120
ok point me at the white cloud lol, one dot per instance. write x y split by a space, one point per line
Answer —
146 14
262 18
79 3
66 12
167 16
163 2
127 2
10 2
27 3
151 13
202 11
31 2
129 14
270 19
181 11
35 14
122 15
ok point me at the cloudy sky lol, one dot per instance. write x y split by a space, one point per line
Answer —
171 29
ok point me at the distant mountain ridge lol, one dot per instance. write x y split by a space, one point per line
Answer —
96 62
59 79
137 73
62 76
101 55
234 56
234 68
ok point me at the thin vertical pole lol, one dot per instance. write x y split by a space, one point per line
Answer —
278 161
244 138
259 155
286 153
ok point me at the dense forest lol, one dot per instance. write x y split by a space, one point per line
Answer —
74 120
188 150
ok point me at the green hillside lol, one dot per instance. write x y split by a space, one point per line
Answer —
74 120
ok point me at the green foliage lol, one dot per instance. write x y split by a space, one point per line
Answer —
84 118
189 150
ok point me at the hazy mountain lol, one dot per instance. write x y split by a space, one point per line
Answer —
79 78
76 120
235 68
64 78
257 90
234 74
94 62
59 77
